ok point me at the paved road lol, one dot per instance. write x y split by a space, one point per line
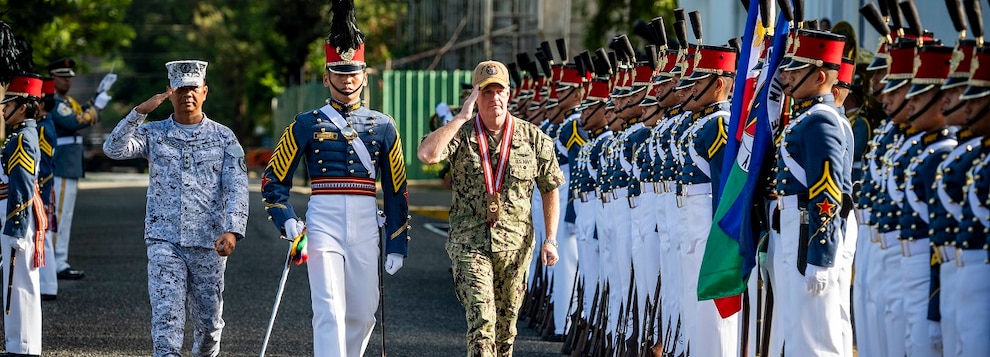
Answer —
107 313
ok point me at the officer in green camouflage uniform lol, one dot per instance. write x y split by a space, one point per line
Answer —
491 227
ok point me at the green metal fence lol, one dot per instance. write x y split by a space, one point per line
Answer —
410 97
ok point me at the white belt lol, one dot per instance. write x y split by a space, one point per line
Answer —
863 216
789 201
696 189
945 253
651 187
588 196
69 140
911 248
889 239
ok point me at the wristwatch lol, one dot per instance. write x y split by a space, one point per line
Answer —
552 242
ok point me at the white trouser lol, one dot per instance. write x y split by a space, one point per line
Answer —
343 272
891 297
868 341
875 308
566 268
916 278
22 327
587 249
539 235
752 286
181 277
973 296
645 248
65 204
948 307
776 266
813 322
673 286
844 261
616 256
48 274
709 333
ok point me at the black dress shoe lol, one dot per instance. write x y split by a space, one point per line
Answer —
554 338
71 274
48 297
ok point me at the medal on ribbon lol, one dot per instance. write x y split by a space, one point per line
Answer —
493 176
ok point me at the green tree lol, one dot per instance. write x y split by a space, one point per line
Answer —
618 16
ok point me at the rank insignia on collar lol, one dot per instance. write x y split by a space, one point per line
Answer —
826 208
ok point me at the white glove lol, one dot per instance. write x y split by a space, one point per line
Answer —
106 83
393 261
293 228
19 244
935 332
101 100
817 279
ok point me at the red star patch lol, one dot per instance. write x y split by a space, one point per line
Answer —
264 181
826 208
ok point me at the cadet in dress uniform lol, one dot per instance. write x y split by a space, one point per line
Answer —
46 184
972 263
70 117
945 213
23 229
814 179
346 147
703 146
197 207
841 91
570 137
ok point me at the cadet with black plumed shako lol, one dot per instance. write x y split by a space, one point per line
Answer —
945 212
25 223
347 148
972 262
924 336
587 205
703 148
813 186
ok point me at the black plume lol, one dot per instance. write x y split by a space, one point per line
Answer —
974 12
659 31
911 15
642 29
514 73
765 13
585 58
895 15
344 34
627 48
745 4
874 17
696 24
734 43
956 14
545 48
651 56
799 11
680 29
524 61
544 63
613 61
562 49
811 24
883 8
785 10
15 52
680 15
603 68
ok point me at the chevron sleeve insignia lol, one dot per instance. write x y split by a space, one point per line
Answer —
20 157
285 152
397 164
43 144
825 185
720 140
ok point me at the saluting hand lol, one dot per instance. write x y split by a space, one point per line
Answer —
467 109
149 105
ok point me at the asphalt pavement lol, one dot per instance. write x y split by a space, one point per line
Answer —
108 313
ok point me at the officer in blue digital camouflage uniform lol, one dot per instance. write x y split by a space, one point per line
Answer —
23 228
945 212
924 336
347 148
972 262
703 147
46 183
70 116
197 207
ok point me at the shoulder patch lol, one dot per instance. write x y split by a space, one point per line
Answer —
63 109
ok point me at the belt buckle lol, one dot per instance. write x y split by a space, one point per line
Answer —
632 202
657 188
680 201
804 217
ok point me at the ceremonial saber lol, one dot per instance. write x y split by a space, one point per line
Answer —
278 300
381 274
10 279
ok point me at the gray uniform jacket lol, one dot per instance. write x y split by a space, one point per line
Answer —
198 182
